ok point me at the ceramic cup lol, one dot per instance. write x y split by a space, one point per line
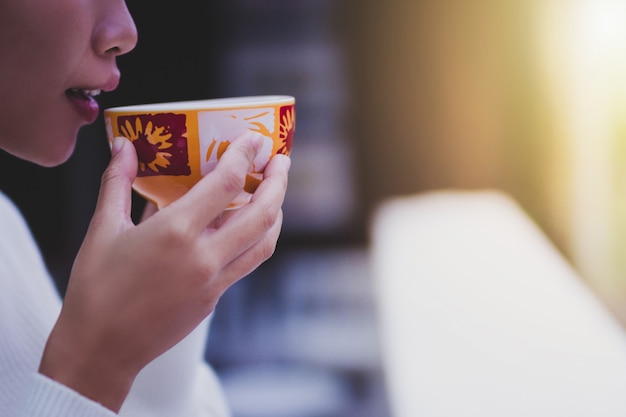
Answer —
178 143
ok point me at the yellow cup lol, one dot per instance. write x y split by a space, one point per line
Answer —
178 143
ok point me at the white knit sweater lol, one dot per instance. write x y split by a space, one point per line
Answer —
179 383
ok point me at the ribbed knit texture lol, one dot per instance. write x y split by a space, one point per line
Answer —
48 398
29 305
178 383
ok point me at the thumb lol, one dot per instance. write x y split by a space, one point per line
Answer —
115 189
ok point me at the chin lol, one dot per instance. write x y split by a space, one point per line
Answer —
51 163
56 153
53 160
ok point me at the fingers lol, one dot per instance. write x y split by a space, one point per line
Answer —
275 175
115 190
245 227
254 256
247 236
211 195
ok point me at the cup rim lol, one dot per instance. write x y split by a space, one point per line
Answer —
207 104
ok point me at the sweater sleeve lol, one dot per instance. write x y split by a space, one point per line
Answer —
179 382
29 305
48 398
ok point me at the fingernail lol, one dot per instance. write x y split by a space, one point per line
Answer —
117 144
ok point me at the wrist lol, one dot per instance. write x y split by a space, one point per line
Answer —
90 372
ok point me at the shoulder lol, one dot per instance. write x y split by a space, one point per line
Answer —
17 244
14 231
5 203
9 213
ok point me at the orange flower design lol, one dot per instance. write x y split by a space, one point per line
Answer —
160 142
153 136
221 148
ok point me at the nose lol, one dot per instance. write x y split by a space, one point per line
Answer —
115 32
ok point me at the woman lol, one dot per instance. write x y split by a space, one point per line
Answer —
128 337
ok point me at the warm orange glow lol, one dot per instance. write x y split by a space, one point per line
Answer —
584 51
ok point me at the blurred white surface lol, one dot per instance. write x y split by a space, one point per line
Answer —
284 391
481 316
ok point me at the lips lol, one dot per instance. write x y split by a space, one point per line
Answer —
83 99
84 103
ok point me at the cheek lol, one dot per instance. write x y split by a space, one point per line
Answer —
40 41
41 51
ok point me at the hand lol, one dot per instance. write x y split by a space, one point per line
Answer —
137 290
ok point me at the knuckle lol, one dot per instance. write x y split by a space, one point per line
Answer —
268 218
270 241
178 231
208 263
268 248
200 277
232 180
208 267
111 174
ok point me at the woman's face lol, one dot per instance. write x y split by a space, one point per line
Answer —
55 55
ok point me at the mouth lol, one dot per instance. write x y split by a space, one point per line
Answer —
84 103
83 94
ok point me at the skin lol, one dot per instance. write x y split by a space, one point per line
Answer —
47 48
125 305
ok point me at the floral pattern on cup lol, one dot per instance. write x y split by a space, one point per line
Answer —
180 142
287 128
161 142
217 129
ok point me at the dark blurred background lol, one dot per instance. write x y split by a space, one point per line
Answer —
393 98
